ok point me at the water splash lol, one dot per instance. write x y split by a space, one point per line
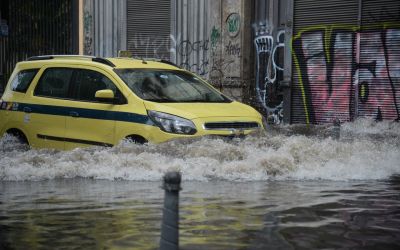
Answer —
366 150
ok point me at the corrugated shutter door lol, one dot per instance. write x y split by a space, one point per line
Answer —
379 73
322 60
149 28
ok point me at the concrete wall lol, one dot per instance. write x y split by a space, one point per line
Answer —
212 39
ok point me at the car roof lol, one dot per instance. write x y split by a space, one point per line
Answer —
142 63
116 63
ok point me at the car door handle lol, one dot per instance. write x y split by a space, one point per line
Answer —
27 110
74 114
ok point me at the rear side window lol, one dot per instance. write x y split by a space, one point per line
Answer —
22 80
55 83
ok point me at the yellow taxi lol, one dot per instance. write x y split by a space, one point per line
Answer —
65 102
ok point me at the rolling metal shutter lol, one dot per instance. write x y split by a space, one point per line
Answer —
322 60
379 77
380 11
105 27
149 28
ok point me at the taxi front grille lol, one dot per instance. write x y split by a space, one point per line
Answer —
230 125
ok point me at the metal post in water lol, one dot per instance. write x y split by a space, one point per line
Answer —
336 128
170 223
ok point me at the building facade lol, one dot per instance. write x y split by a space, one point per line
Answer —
297 61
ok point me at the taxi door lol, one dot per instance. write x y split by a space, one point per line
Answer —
90 122
44 112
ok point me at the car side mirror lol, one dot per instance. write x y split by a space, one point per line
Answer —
105 95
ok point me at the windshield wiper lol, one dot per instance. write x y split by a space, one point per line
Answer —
160 100
166 100
204 101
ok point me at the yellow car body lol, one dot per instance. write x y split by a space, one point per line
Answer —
65 123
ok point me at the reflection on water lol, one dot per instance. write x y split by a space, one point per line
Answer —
86 214
292 188
79 214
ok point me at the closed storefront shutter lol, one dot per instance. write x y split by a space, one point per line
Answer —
323 64
379 69
149 28
346 60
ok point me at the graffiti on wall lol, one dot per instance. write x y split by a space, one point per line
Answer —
151 46
215 37
346 73
187 49
204 58
231 45
160 47
233 24
201 56
269 69
215 56
232 49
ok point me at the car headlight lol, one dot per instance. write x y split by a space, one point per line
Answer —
172 124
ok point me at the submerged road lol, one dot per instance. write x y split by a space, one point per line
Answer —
293 188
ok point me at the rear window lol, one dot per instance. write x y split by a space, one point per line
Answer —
22 80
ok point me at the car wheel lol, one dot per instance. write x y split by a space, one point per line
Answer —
19 135
136 139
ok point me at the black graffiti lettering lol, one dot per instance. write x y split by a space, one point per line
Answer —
232 49
186 47
371 67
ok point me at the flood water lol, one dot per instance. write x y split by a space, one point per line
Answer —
292 188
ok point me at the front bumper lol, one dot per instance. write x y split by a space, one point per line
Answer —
161 136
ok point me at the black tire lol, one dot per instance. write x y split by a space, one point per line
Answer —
136 139
19 135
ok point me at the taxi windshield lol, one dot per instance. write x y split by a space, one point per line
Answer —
169 86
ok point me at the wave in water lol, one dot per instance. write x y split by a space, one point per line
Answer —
366 150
